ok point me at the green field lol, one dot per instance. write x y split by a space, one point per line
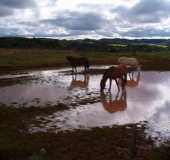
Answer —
21 59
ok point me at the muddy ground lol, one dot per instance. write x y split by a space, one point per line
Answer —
128 141
117 142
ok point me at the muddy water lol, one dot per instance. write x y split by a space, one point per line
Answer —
47 87
145 99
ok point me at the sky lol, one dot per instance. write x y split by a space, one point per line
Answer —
77 19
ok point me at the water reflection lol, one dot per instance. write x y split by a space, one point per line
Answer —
10 81
142 102
79 82
114 104
134 79
146 98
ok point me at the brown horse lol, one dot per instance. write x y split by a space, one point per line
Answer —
116 73
78 61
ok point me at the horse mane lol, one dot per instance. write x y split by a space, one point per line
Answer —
108 72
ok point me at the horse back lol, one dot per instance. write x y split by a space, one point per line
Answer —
77 61
128 61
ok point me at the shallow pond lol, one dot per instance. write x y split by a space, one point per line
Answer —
145 100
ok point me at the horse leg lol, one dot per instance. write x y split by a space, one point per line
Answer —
123 81
110 84
73 77
133 75
75 69
130 75
85 68
117 95
117 84
72 70
125 77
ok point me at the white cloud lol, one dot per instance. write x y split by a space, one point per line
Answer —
86 18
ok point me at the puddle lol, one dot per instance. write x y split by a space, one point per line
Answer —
146 98
45 87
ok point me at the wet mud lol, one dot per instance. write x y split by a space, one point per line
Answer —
55 103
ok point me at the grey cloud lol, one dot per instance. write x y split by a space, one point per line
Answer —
88 21
5 32
77 21
32 29
17 3
8 7
49 35
151 7
146 32
4 11
145 11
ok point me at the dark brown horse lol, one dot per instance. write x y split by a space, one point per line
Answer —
78 61
114 73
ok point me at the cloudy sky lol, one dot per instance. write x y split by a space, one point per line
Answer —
72 19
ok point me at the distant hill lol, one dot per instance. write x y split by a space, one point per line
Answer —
138 41
109 45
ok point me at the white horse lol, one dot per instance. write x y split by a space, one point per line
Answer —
131 63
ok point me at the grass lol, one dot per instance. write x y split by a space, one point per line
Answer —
157 45
30 58
118 45
22 59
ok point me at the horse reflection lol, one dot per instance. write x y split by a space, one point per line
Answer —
117 104
133 81
79 83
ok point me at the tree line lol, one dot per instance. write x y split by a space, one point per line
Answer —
103 45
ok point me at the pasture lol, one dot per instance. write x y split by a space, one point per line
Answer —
17 59
47 113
